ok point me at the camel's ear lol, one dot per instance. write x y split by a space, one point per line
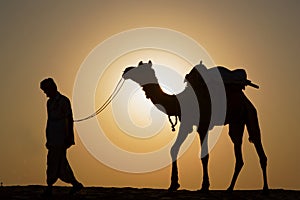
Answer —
200 62
140 63
149 62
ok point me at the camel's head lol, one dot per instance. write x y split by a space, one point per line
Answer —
142 74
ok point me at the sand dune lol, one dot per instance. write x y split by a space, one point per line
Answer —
34 192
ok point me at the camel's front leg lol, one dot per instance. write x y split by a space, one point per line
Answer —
202 130
182 134
174 177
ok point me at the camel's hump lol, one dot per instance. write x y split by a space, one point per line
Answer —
200 72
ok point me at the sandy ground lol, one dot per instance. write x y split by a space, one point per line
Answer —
34 192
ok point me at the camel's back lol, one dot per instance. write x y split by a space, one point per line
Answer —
200 76
219 91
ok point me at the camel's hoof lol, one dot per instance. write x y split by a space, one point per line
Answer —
265 191
173 187
205 187
229 190
204 190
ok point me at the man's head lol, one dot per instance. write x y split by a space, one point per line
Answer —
49 87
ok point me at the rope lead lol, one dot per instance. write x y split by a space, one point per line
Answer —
106 103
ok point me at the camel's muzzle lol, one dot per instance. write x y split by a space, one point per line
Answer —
125 72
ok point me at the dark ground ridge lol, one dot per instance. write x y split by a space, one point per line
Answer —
111 193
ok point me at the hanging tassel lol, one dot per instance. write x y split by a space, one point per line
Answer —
171 122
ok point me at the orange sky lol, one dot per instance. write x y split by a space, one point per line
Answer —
41 39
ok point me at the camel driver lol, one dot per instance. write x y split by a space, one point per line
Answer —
60 136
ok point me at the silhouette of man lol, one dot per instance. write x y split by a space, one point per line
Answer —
60 136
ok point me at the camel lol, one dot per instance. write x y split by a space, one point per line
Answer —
240 112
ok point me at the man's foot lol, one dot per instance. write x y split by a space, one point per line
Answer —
76 188
47 192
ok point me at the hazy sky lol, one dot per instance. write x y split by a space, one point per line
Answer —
52 38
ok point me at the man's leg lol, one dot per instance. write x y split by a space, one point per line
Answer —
52 169
66 174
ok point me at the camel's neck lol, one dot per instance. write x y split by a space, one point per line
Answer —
164 102
145 77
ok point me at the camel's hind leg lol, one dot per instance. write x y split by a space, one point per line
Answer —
263 163
255 137
236 131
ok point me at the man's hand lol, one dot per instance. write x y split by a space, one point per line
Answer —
69 141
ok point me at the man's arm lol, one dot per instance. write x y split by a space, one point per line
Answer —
69 132
69 140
